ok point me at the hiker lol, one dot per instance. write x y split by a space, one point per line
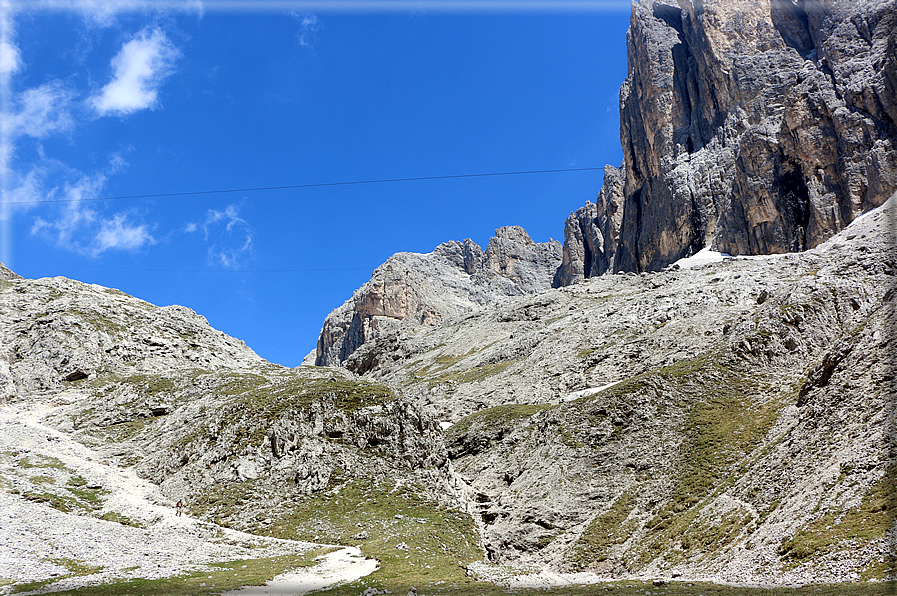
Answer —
179 507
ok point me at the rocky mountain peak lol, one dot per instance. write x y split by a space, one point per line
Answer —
7 274
750 127
417 289
58 330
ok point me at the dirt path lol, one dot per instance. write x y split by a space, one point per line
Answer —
39 542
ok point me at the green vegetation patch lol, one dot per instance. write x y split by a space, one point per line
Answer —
469 587
66 505
151 385
222 577
583 354
417 541
437 373
495 417
728 413
219 501
36 460
72 500
41 479
74 567
604 531
712 534
100 323
480 373
256 409
232 384
120 431
834 531
295 392
88 498
726 423
118 518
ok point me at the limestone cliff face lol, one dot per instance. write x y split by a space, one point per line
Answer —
592 234
414 288
748 126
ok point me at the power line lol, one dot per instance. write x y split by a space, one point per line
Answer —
316 270
297 186
349 6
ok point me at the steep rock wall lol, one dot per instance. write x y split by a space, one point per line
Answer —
748 126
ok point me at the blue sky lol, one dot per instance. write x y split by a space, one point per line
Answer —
109 99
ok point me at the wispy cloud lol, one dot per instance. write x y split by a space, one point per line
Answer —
229 237
139 70
82 229
10 59
309 27
104 13
119 233
42 111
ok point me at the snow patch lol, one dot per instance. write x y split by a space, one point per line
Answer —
589 391
343 566
702 257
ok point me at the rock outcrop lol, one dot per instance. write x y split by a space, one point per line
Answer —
419 289
58 330
592 233
246 443
749 127
731 419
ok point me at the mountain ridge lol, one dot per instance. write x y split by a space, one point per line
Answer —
746 127
531 414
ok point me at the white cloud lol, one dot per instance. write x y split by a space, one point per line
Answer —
80 228
10 59
310 25
25 189
119 233
230 237
104 13
44 110
231 214
139 69
75 215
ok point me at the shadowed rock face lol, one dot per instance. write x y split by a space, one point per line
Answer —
415 289
592 234
748 126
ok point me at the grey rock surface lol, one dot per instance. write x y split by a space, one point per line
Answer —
592 233
6 274
57 328
730 420
244 442
420 289
616 425
749 127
